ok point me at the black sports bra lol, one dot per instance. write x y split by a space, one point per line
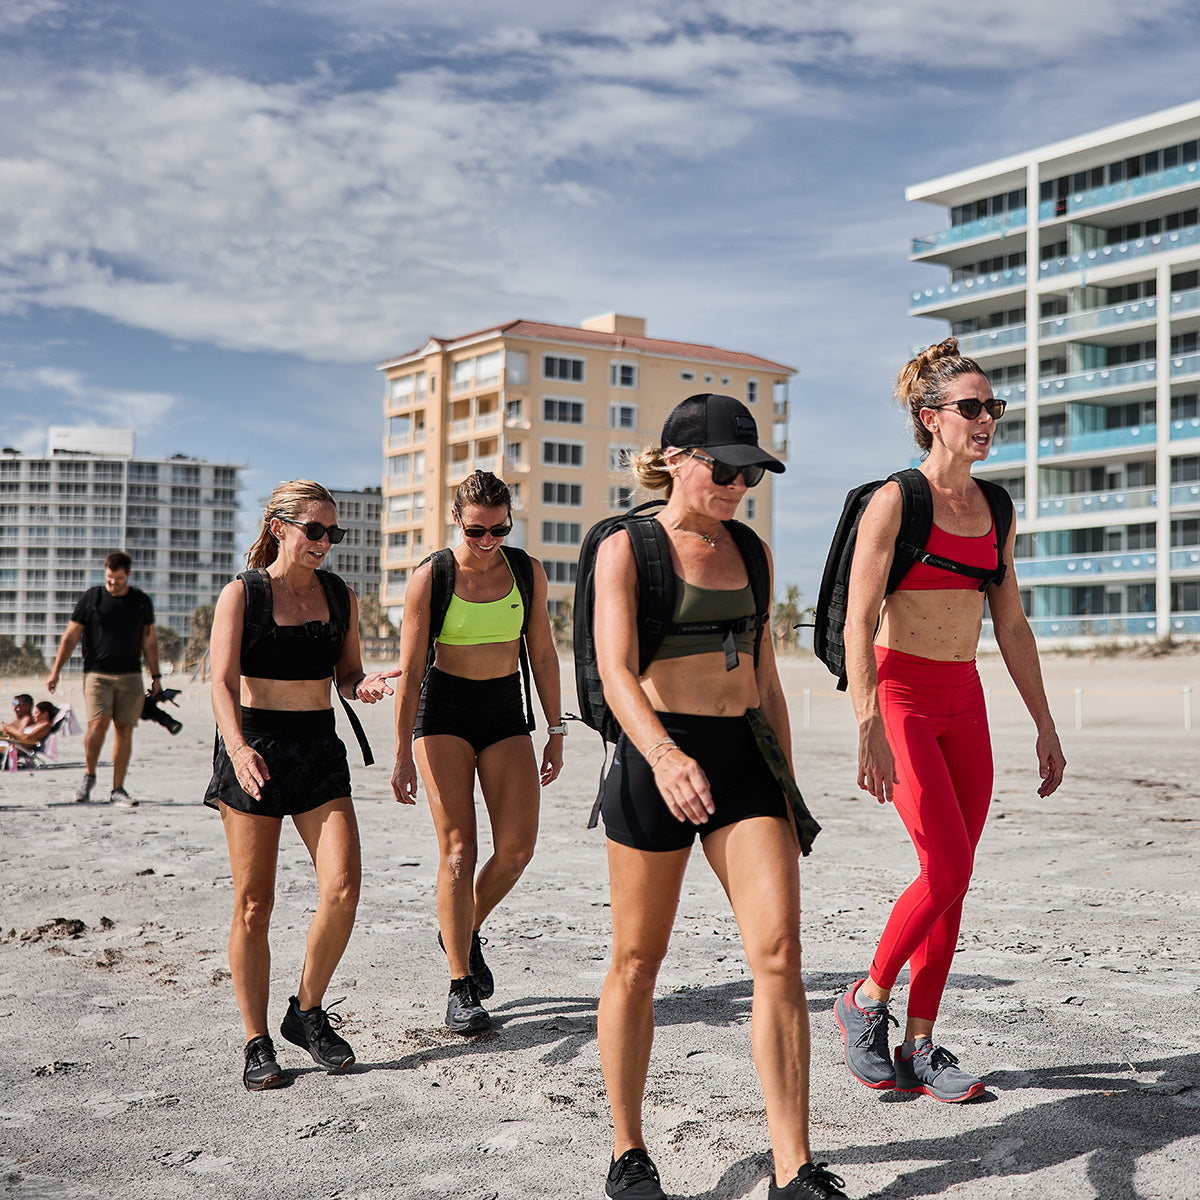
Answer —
308 651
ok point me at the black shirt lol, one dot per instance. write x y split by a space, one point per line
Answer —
112 629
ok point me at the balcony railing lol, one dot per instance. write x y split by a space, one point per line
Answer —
488 420
1066 566
1114 626
1002 224
1101 255
964 289
1185 559
1182 622
1100 439
990 339
1097 502
1187 428
1098 380
1014 393
1185 495
1099 318
1114 193
1185 364
1009 452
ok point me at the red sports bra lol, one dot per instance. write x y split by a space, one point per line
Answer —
970 551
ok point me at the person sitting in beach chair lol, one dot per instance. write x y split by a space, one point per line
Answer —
35 745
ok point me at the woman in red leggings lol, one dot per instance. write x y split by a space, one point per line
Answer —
923 740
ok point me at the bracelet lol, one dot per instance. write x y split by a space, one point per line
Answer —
668 746
559 730
155 676
234 756
661 742
354 689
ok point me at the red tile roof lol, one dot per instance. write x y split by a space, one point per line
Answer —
542 331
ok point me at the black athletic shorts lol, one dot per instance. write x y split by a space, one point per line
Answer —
480 711
743 786
303 753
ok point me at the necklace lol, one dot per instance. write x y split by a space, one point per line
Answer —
296 595
704 537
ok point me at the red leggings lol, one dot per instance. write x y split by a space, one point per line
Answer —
936 725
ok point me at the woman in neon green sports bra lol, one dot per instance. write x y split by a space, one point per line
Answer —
463 717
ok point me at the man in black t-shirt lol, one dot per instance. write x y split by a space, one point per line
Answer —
116 623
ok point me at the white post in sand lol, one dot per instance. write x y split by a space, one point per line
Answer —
1079 708
1187 706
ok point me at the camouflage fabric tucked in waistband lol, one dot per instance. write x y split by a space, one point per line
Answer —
807 827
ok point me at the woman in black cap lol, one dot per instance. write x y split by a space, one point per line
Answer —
705 748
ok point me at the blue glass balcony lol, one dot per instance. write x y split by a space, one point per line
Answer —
1185 364
1085 566
990 339
1100 439
1185 495
1182 302
1097 502
964 289
1114 626
957 234
1014 393
1185 429
1114 193
1187 559
1176 239
1009 452
1100 318
1185 622
1098 380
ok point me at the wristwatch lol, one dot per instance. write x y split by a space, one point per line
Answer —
561 730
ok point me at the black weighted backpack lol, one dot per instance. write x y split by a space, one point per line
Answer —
656 587
916 524
441 563
259 610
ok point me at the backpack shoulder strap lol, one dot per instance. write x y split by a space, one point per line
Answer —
916 523
521 566
755 558
337 593
441 564
259 606
1000 502
656 584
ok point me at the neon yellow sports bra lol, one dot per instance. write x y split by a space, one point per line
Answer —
471 623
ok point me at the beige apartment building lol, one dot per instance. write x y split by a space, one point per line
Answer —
555 411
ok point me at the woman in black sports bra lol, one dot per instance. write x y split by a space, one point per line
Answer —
705 749
278 755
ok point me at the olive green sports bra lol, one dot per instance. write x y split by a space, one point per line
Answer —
694 603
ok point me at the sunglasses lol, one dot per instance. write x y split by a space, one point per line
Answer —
477 531
723 474
315 531
970 407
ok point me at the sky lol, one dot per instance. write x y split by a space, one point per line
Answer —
217 219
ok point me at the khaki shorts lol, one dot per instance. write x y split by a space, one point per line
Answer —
116 696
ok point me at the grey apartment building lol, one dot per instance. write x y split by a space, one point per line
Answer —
61 513
356 558
1072 273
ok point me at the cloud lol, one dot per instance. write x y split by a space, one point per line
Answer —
145 412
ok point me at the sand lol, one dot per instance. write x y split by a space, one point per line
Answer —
1074 991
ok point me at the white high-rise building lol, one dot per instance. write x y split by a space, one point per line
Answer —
1072 273
62 513
356 557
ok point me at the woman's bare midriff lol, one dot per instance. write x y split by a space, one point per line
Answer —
942 625
487 661
286 695
699 685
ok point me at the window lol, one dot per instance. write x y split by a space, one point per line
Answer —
724 380
566 412
560 572
562 454
399 430
687 376
622 374
513 455
751 391
408 388
557 367
619 457
622 416
463 375
516 367
562 494
512 411
751 508
620 498
562 533
487 368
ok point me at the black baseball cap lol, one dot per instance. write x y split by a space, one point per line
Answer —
720 425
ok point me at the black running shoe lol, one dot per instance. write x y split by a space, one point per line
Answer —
812 1182
312 1030
634 1177
481 974
262 1071
464 1013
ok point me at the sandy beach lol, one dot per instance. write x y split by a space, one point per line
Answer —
1074 992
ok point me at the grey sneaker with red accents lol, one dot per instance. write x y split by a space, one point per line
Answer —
865 1039
934 1071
